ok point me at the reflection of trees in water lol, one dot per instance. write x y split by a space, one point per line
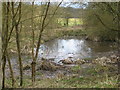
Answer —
101 46
62 48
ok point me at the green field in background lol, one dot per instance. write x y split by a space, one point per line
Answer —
71 21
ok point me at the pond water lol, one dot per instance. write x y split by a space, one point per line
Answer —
75 48
59 49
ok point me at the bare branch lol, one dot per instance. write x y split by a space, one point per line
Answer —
54 13
104 24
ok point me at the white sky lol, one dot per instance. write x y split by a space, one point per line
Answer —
60 0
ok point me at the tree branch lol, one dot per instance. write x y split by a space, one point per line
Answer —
104 24
54 13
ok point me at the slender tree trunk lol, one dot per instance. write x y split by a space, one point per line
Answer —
3 57
39 42
34 56
19 55
11 70
67 21
3 70
118 37
18 42
42 29
33 62
4 38
0 45
118 61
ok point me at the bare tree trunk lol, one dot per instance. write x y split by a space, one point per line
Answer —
39 42
19 54
40 35
33 62
42 29
3 70
67 21
11 70
18 41
4 38
118 61
0 45
3 30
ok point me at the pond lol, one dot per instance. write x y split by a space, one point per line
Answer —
63 48
75 48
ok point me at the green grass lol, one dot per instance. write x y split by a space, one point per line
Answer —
76 68
98 81
72 21
93 78
39 73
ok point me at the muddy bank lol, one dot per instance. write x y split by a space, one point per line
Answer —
50 69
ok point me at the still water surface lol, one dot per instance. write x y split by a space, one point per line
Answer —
74 48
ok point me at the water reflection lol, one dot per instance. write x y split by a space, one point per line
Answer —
76 48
